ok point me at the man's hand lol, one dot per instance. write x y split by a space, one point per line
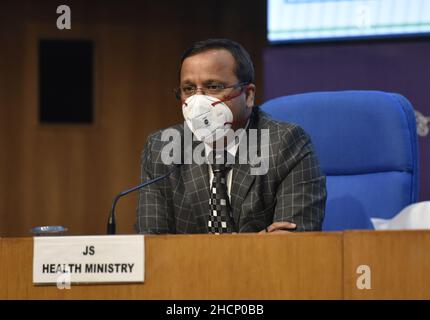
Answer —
279 227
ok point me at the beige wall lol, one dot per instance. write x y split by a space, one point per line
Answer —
68 174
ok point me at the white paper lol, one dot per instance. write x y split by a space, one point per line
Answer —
414 216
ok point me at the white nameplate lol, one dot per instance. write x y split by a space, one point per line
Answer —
88 259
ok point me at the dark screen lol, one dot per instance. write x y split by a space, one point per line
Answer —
65 81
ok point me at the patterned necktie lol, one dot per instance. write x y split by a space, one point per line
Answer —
220 220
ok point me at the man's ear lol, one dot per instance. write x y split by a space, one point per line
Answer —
250 95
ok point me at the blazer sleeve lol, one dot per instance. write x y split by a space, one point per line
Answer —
301 195
153 214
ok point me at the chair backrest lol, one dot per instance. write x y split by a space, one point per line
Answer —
366 142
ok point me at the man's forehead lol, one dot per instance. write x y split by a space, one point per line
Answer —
217 54
213 61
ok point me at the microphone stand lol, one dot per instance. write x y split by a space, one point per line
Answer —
111 225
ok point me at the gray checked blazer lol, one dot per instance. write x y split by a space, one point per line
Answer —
293 189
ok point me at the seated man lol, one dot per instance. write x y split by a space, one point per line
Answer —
228 193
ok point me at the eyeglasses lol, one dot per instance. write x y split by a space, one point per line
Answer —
215 89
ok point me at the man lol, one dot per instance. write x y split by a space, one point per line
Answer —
217 92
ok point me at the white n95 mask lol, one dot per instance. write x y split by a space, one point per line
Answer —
207 117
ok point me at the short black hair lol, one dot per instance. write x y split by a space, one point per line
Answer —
244 68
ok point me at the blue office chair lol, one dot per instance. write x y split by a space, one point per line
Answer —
366 143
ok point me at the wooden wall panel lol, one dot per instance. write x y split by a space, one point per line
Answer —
68 174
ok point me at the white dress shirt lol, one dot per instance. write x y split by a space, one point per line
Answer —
231 149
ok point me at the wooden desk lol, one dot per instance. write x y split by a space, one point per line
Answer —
248 266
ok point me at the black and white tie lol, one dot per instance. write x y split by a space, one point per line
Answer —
220 220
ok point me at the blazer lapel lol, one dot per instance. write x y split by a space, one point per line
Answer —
196 182
242 179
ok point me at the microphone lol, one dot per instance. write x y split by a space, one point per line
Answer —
111 225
